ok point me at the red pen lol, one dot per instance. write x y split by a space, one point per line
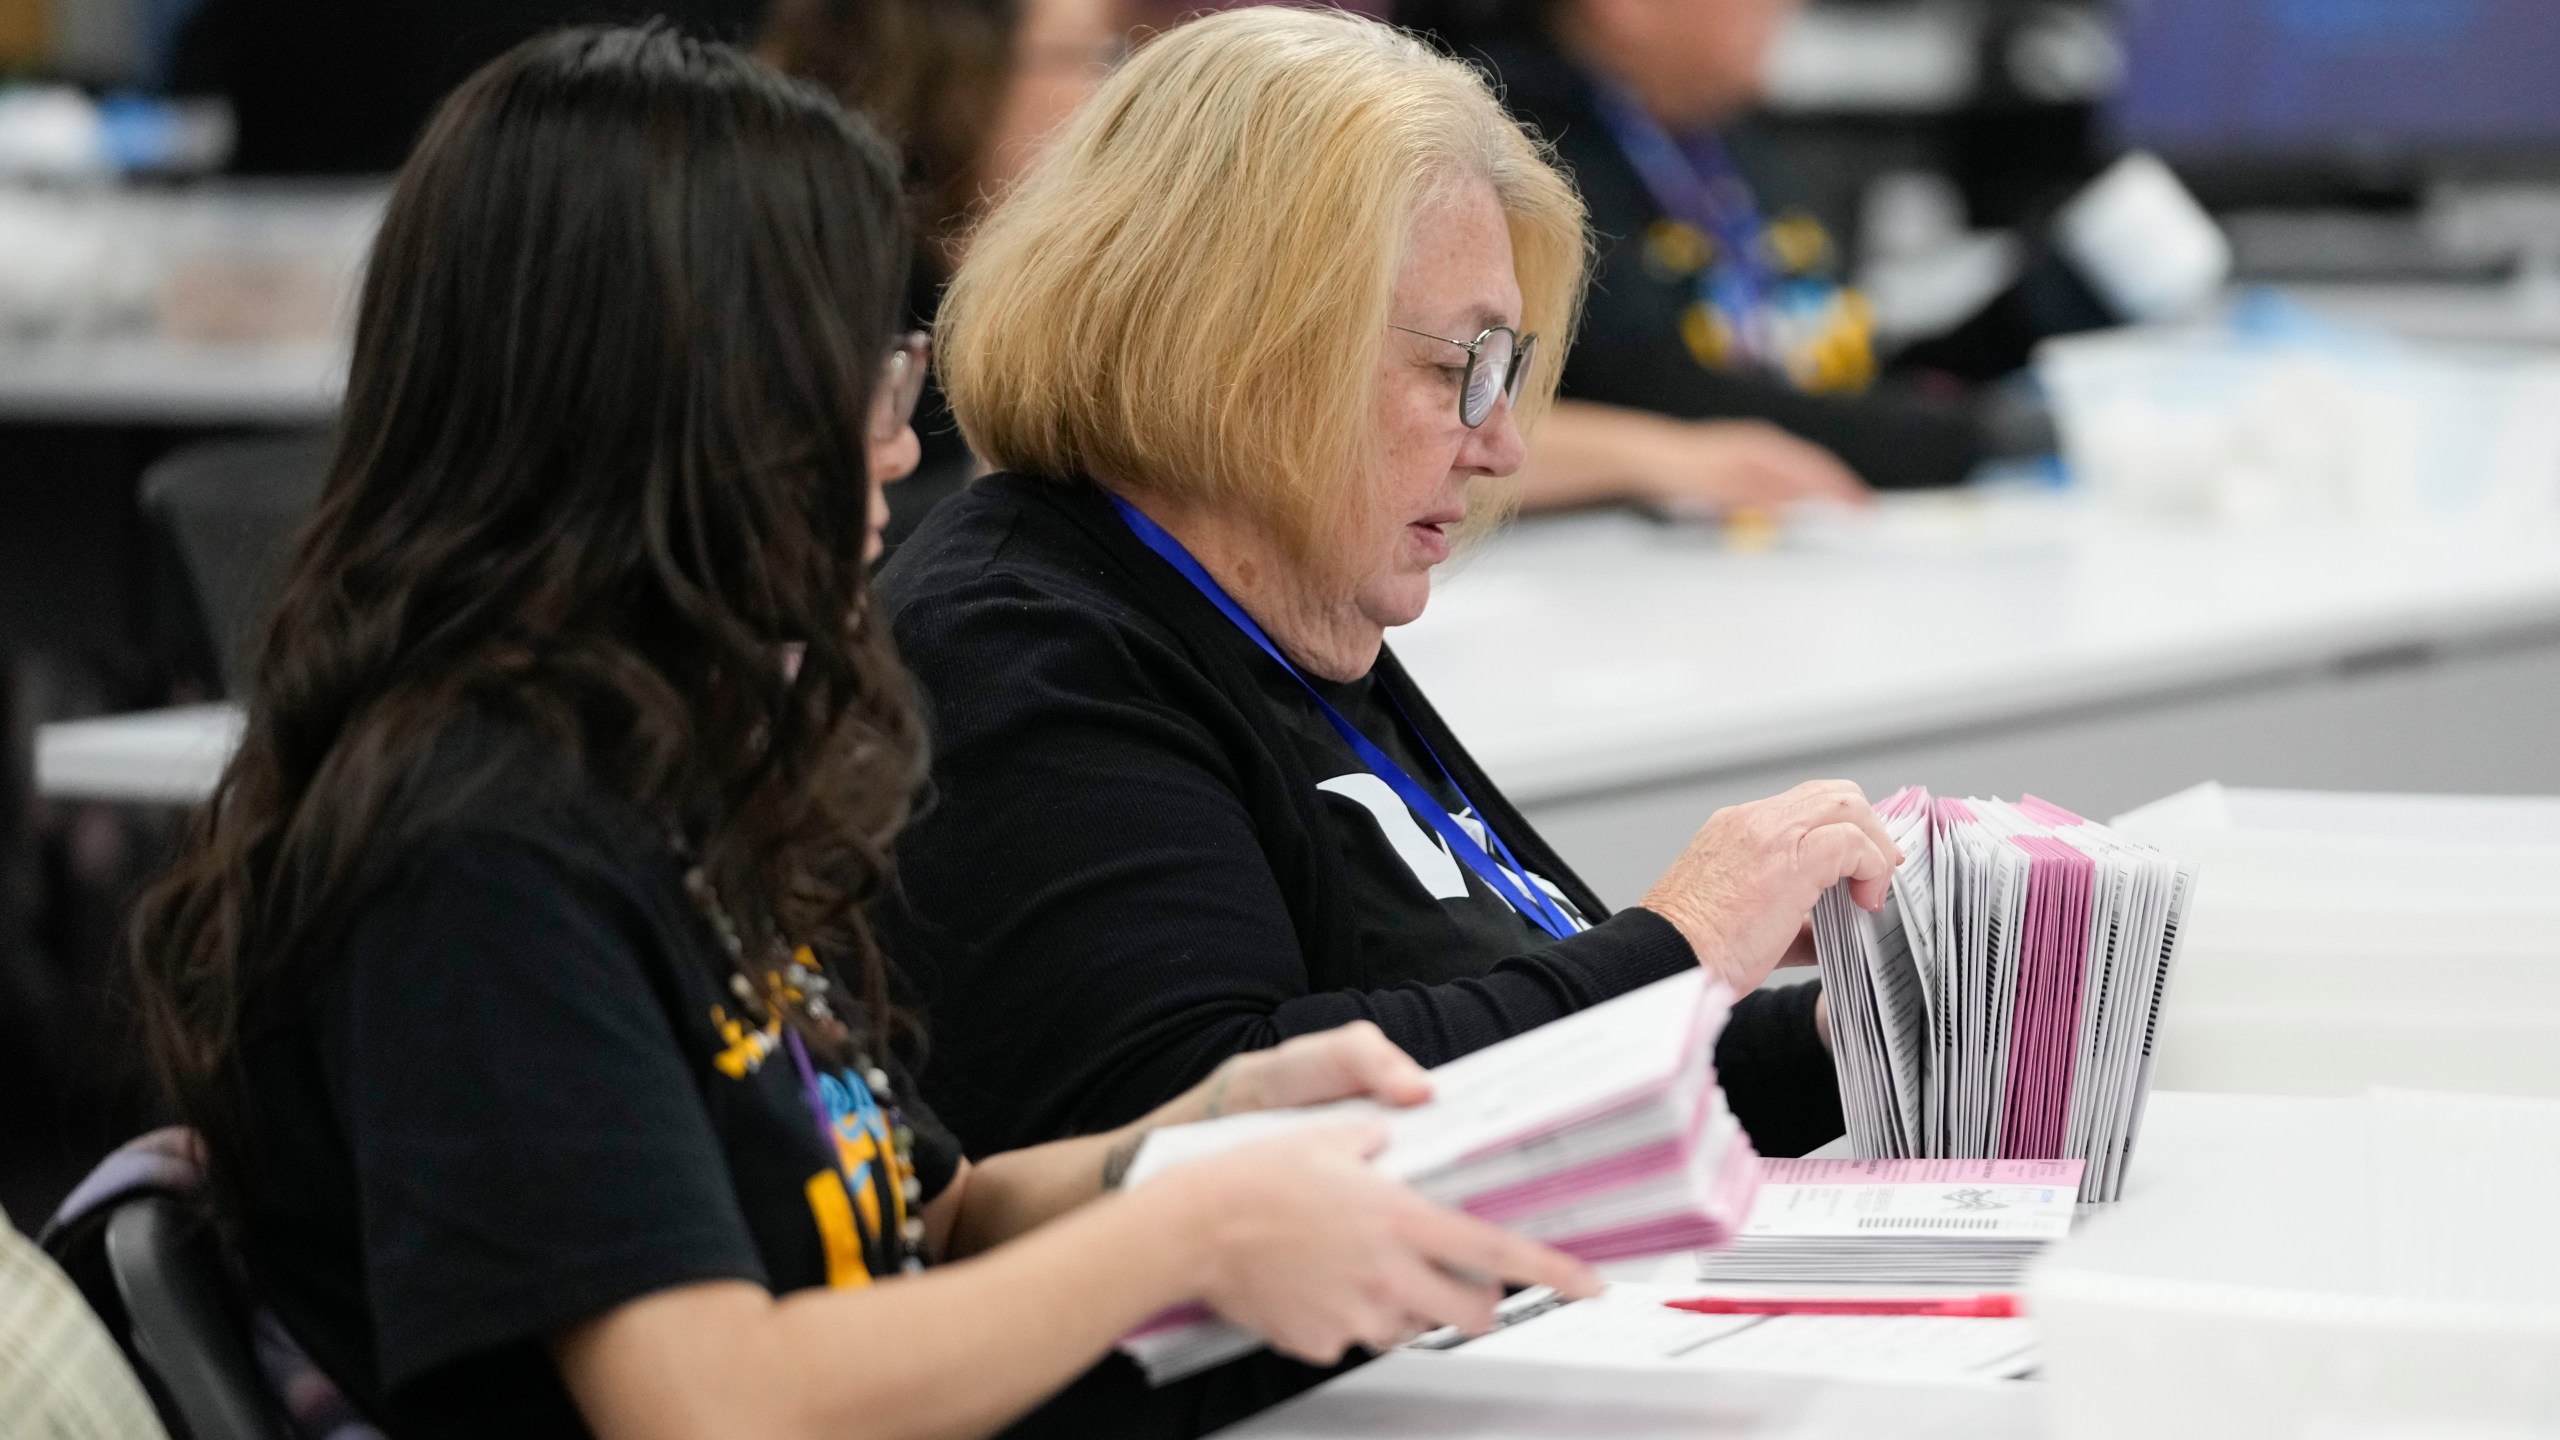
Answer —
1962 1307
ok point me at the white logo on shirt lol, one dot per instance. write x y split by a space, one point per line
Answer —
1424 853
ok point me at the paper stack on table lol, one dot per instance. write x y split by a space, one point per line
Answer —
1977 1224
2005 1004
1604 1135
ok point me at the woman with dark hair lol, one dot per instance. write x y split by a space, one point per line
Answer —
517 975
968 90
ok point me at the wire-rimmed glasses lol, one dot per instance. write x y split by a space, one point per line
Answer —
1497 366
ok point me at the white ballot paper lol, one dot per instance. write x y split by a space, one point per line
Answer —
1975 1224
1603 1134
1633 1327
2006 1002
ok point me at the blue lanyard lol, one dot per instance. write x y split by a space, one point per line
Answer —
1512 884
1699 185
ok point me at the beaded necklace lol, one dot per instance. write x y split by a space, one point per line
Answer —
864 1106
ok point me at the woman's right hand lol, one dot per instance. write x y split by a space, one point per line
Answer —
1741 891
1308 1247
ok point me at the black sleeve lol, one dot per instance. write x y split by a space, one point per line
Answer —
531 1146
1777 1073
1100 920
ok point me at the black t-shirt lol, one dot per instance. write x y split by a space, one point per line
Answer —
1410 896
513 1096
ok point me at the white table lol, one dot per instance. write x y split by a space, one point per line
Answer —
1414 1395
1622 679
2497 315
159 382
157 757
2188 1143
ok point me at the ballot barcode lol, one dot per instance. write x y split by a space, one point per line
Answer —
1928 1222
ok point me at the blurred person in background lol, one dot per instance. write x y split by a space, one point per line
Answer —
968 90
1721 363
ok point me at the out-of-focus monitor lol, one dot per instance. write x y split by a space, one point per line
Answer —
2401 84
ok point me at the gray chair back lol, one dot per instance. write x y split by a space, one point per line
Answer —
229 510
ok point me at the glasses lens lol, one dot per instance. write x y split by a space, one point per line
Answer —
1485 376
893 406
1521 364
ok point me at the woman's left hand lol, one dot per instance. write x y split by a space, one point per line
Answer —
1356 1061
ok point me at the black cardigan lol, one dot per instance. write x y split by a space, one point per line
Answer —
1119 879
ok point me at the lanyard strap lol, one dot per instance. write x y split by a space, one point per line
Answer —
1698 185
1512 883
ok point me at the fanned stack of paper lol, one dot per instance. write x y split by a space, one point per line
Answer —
1971 1223
2006 1002
1603 1134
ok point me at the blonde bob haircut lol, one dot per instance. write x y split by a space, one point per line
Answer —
1190 291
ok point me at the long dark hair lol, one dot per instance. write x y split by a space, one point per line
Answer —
601 466
930 73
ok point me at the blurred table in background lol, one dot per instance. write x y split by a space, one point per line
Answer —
1623 679
163 383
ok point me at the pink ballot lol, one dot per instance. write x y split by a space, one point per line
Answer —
1604 1135
2005 1002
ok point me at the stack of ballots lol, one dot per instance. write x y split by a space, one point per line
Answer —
1603 1134
1923 1223
2005 1003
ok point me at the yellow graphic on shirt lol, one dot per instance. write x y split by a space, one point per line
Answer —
847 1269
1708 335
1796 244
1817 333
744 1050
1677 251
874 1168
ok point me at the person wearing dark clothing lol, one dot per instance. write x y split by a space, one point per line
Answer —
518 980
1655 336
1153 659
1248 345
1147 851
1713 299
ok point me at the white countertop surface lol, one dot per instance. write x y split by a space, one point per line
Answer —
160 382
1588 653
1415 1395
2187 1141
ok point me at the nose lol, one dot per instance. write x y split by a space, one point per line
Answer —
1496 447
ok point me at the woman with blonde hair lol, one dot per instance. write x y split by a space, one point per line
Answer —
1253 344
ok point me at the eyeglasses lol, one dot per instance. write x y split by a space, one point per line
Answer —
893 405
1498 364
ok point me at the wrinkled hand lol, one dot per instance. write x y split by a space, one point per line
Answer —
1742 890
1712 466
1316 1252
